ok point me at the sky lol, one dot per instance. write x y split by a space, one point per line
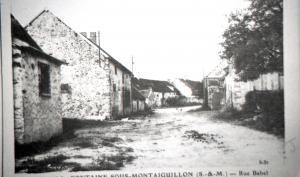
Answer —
166 38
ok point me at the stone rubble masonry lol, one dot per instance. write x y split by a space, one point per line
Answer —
18 73
118 94
89 81
37 118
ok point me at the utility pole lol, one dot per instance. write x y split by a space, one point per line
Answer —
99 48
132 63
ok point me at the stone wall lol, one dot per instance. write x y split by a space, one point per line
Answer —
85 73
37 118
18 75
120 84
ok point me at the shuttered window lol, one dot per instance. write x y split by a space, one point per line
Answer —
44 79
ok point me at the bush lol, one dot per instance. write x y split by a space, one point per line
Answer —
270 107
263 110
269 102
180 101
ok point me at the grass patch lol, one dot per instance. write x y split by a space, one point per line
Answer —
69 127
23 150
81 157
202 137
263 110
48 164
269 122
112 139
106 163
180 101
84 143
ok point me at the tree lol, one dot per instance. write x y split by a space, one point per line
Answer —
254 39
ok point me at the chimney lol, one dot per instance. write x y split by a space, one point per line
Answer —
93 37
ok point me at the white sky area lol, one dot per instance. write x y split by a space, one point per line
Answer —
167 38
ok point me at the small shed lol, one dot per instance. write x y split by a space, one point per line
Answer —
36 86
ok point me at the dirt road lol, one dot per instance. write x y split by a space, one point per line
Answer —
170 138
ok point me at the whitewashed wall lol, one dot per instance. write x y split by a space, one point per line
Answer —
237 90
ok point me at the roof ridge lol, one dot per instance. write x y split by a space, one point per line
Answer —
104 51
37 16
82 36
15 24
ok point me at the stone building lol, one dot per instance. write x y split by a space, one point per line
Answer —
120 81
156 92
213 87
36 84
95 85
214 92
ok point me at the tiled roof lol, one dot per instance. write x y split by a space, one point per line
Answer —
156 85
136 95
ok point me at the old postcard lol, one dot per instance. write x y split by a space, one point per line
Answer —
130 88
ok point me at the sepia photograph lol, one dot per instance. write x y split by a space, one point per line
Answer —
101 85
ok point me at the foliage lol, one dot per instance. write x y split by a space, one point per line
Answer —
263 110
269 102
179 101
254 39
269 107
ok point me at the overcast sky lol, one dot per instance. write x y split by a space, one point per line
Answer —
167 38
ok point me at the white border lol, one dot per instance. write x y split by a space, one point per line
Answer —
292 93
292 85
7 99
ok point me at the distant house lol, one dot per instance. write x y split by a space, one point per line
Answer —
156 92
213 87
95 85
138 101
214 92
36 85
191 90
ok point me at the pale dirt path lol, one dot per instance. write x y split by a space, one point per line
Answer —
170 138
160 142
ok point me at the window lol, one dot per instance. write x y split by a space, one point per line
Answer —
123 78
44 79
114 87
116 70
66 88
